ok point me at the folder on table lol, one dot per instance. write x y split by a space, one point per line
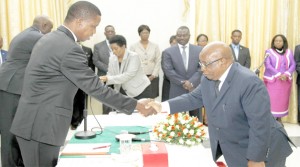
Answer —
86 149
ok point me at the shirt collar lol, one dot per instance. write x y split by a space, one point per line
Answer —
233 45
186 46
224 75
74 36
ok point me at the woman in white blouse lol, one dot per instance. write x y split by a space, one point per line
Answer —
125 71
150 57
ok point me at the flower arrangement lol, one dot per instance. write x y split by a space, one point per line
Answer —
180 128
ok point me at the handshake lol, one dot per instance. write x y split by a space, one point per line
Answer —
148 107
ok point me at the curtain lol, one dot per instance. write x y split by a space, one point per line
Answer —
259 21
17 15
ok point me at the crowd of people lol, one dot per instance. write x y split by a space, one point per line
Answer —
44 80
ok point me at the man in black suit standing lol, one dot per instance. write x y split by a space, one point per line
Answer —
11 77
81 98
240 53
57 68
297 59
102 52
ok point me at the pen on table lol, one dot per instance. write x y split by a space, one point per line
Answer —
101 147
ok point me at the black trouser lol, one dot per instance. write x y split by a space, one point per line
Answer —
10 151
38 154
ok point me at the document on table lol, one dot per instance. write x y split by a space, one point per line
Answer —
86 149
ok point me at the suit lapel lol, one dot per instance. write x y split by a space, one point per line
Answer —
179 57
124 62
226 85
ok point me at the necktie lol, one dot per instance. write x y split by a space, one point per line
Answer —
236 52
217 91
184 56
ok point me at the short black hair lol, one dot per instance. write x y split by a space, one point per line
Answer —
143 27
118 39
83 10
200 35
236 30
172 38
285 42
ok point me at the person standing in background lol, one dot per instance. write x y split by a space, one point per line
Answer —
181 66
279 67
125 70
297 59
166 81
81 98
202 40
150 57
240 53
11 85
3 53
102 53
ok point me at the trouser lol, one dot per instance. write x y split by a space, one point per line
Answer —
38 154
10 151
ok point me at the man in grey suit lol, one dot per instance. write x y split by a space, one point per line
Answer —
11 77
57 68
241 126
241 54
102 52
180 65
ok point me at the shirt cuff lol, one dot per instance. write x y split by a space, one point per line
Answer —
165 107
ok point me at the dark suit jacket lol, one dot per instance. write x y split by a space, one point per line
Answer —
239 118
297 59
3 55
80 97
89 54
57 68
174 69
244 56
101 57
12 71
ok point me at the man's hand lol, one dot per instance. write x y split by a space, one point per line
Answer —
156 105
144 109
256 164
187 85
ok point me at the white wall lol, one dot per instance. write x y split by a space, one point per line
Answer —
162 16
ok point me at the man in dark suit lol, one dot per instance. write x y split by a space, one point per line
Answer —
57 68
241 126
80 99
102 52
3 53
240 53
11 77
180 65
297 59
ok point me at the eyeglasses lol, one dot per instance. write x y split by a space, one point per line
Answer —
209 63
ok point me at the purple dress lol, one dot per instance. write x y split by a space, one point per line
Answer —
279 91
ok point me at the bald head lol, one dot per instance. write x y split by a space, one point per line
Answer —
215 58
43 23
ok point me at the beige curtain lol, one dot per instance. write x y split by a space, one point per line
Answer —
259 21
17 15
